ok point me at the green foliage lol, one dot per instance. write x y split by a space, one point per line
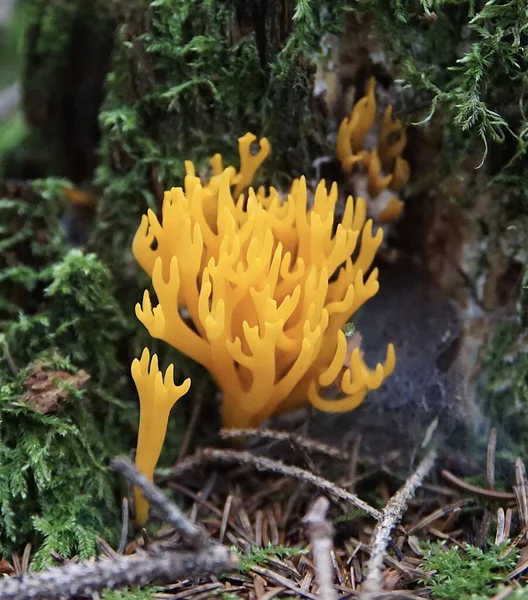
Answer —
261 555
73 290
472 574
12 132
191 81
505 387
472 62
11 43
29 227
57 305
518 594
53 485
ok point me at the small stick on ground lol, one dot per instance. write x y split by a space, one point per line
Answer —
505 593
353 464
321 533
474 489
521 492
500 538
281 436
85 578
124 526
391 516
159 563
193 535
443 511
266 464
490 462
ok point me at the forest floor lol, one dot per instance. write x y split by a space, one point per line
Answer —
455 540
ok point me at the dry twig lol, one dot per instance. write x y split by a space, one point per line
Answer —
321 532
294 439
84 578
124 526
284 581
490 458
191 533
521 492
443 511
266 464
391 515
474 489
159 563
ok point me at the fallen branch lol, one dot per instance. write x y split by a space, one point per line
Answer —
474 489
85 578
321 532
191 533
285 436
391 516
212 455
443 511
161 564
521 492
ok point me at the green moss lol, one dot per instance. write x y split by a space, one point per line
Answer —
56 306
505 387
54 490
260 555
190 78
470 574
472 66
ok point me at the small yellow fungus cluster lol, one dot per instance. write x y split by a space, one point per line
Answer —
157 396
386 171
256 288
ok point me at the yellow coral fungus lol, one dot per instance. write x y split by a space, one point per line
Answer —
257 288
386 171
157 396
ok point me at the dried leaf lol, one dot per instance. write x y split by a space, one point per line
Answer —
47 390
5 567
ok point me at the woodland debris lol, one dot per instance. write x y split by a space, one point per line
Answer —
266 464
474 489
163 562
48 389
297 441
321 534
391 516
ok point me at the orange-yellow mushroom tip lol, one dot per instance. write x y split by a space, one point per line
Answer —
157 396
357 381
392 211
384 166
